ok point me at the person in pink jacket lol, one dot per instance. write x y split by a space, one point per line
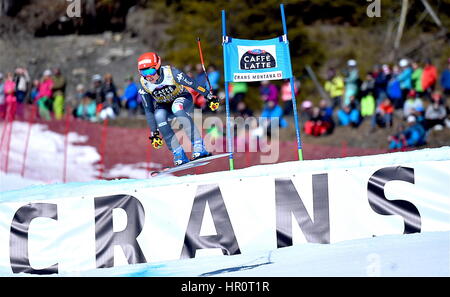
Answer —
10 96
44 96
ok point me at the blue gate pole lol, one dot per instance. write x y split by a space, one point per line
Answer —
294 102
227 94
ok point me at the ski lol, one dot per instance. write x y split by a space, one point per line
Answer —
189 165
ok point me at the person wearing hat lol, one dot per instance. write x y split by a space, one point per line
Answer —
44 96
435 113
411 104
97 89
445 79
405 81
413 135
351 81
22 80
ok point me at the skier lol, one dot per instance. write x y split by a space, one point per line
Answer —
165 95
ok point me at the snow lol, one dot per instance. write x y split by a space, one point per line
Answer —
421 254
45 156
424 254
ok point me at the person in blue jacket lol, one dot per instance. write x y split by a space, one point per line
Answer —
349 115
405 81
445 80
130 96
273 112
413 135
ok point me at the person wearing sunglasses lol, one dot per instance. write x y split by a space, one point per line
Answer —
165 93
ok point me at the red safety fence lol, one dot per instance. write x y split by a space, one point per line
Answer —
119 145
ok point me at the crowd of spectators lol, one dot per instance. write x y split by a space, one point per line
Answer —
410 93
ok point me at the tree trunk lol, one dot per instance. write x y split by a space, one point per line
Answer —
401 26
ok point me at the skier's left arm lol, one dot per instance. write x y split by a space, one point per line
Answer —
187 81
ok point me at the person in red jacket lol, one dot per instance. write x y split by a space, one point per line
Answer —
429 78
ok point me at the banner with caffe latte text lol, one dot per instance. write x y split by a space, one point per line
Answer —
256 60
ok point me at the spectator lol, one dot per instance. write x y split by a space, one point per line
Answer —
80 92
326 111
110 109
34 90
214 78
416 78
335 87
383 115
381 83
286 95
429 78
419 113
318 124
268 92
59 89
130 96
412 103
22 80
273 112
368 85
97 89
394 92
2 97
445 79
305 112
10 96
404 79
44 97
413 135
237 91
86 110
368 105
436 113
110 87
351 81
243 110
349 115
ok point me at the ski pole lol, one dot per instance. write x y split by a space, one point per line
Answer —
203 63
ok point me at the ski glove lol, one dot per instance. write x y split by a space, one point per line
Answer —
156 140
213 102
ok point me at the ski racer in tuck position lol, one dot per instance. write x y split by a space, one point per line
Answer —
165 96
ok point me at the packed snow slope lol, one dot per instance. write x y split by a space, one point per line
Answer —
360 239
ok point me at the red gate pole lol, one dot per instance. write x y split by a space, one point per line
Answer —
10 115
102 147
31 120
66 145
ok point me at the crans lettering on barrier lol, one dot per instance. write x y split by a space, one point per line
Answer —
288 204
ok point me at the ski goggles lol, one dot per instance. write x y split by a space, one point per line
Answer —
148 72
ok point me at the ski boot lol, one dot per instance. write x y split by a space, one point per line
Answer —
179 157
199 151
